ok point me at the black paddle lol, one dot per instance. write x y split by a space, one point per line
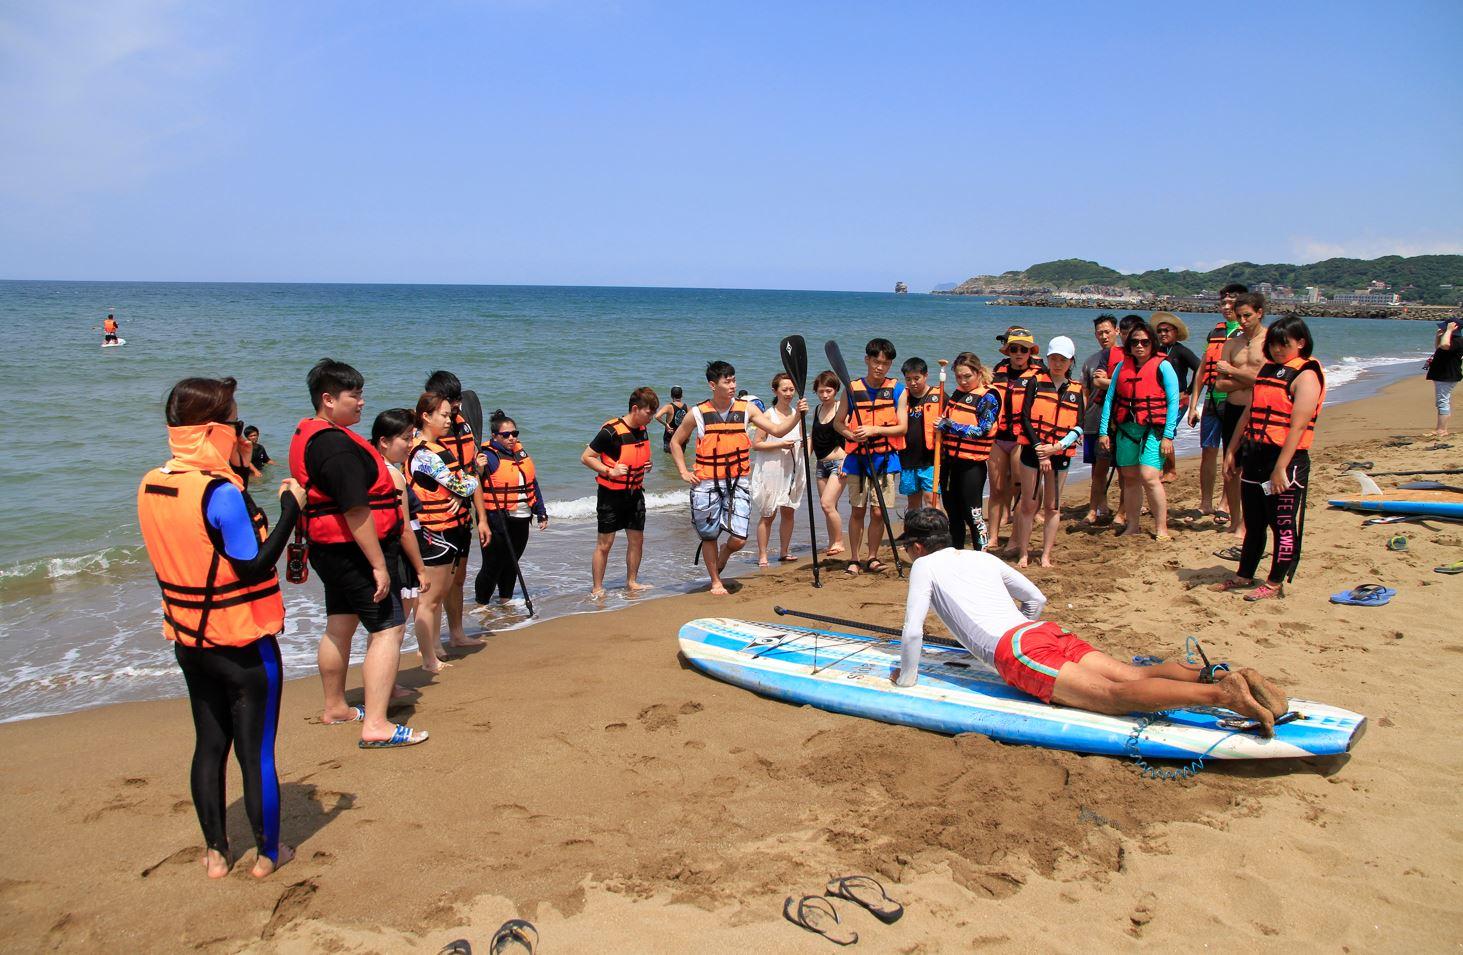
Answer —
795 362
1411 473
513 555
472 412
835 358
859 625
1430 486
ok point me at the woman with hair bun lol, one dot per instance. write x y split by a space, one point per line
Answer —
512 500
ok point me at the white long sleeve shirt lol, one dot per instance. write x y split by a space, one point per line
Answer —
975 594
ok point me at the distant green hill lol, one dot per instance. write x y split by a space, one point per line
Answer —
1431 279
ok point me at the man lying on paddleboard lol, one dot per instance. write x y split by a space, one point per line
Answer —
973 593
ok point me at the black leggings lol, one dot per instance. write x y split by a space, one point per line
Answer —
499 569
234 693
964 492
1279 515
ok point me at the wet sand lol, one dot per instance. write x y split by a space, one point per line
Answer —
581 776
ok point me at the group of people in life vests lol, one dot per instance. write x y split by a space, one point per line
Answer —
386 522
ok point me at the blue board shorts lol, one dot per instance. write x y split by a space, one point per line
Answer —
1211 426
1136 445
1090 451
914 481
718 506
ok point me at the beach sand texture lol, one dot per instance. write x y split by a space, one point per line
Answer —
581 776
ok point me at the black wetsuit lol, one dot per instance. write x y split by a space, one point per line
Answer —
678 414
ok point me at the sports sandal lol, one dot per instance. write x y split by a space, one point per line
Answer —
854 568
867 891
817 914
358 714
875 566
1265 592
1234 583
514 935
401 736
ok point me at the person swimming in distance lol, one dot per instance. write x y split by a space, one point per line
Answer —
976 594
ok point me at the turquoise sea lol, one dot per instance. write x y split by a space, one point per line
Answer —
78 606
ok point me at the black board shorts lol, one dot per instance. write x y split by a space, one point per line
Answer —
1059 462
350 586
618 510
1229 422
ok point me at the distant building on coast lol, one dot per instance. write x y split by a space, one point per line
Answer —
900 288
1367 297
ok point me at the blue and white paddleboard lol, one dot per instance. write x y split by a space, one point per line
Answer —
957 693
1435 504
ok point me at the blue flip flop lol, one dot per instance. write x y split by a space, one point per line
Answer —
1365 595
401 736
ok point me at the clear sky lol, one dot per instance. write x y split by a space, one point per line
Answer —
781 145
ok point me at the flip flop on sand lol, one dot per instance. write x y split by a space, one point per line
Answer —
1365 595
817 914
514 935
1456 567
358 713
1357 466
401 736
867 891
1397 542
1229 553
458 946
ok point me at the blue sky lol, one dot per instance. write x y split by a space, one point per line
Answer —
782 145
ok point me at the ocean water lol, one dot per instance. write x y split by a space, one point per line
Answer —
78 606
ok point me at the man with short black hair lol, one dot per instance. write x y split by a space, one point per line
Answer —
1235 374
352 519
917 459
619 456
874 435
1095 380
1206 408
976 595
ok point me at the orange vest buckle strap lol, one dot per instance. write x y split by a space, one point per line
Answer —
204 602
511 486
462 443
1012 390
1213 351
879 409
1055 411
323 519
962 409
441 509
634 454
1139 395
930 405
1273 402
723 449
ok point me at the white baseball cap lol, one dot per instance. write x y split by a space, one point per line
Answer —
1062 345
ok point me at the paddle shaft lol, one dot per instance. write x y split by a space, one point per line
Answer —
795 363
939 435
840 368
513 556
1412 473
859 625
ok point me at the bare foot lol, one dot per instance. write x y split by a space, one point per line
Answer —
833 551
267 866
434 670
1265 692
466 641
1046 560
1125 531
1237 697
636 586
215 863
720 590
787 558
1025 561
761 561
399 692
1090 517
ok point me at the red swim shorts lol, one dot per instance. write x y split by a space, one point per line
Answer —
1030 656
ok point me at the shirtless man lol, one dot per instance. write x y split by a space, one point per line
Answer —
976 595
1237 369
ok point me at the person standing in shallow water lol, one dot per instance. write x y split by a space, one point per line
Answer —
670 415
619 456
214 557
512 498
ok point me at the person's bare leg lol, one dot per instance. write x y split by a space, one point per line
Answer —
784 532
856 517
1152 479
333 658
603 544
1052 494
732 545
711 557
764 534
265 866
1097 490
1088 689
1132 499
1236 508
998 475
1208 464
1025 515
378 673
829 491
453 604
634 547
876 529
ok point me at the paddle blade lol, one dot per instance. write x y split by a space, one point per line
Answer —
835 360
472 411
794 352
1430 486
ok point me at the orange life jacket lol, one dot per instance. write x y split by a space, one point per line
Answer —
1273 403
1055 410
723 449
1012 389
204 601
323 520
511 485
442 509
961 409
110 326
927 409
1213 351
1140 396
462 443
879 409
634 454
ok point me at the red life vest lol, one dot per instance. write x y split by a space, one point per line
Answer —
723 448
204 601
879 409
634 454
441 508
1012 389
1139 395
1115 354
1055 411
962 409
1273 403
323 520
511 486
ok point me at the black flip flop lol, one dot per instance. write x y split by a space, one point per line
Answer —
817 914
1229 553
514 934
1358 466
867 891
460 946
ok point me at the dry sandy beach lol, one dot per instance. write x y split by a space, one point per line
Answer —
579 775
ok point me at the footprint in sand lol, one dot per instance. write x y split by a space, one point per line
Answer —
291 904
181 857
657 716
616 727
134 781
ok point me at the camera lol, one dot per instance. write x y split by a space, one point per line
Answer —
296 566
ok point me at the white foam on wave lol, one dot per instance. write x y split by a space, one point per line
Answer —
55 568
1350 367
585 506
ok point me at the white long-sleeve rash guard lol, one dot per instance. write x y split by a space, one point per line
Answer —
973 593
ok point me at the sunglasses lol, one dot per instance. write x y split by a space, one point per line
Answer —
1018 349
507 434
1145 342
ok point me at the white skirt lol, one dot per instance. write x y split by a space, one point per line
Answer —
778 480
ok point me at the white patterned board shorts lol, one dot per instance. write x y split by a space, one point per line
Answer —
722 506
